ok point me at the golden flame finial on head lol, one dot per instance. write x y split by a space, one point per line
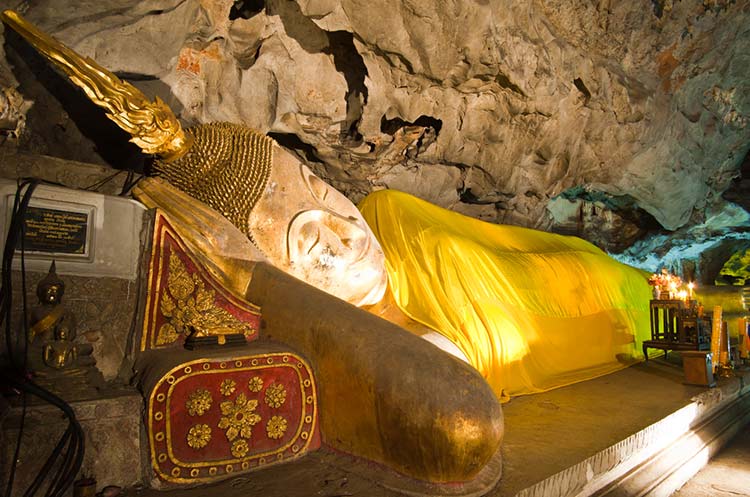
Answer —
153 125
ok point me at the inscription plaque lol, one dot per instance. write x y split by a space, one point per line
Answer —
56 231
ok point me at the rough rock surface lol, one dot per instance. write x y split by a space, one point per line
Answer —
493 108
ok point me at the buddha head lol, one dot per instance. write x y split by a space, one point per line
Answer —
309 229
301 224
51 288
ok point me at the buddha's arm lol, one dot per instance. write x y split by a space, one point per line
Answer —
390 311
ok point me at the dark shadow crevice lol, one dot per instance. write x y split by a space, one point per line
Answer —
292 142
349 62
578 82
246 9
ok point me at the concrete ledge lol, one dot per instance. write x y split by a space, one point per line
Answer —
111 425
660 458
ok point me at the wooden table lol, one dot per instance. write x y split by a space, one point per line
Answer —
675 325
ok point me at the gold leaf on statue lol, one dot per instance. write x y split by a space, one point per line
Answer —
227 387
239 417
240 448
167 334
199 402
255 384
189 305
275 395
199 436
179 281
276 427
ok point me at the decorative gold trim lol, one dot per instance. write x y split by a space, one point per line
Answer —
239 417
153 125
275 395
227 387
240 448
255 384
309 419
190 307
157 263
199 402
276 427
198 436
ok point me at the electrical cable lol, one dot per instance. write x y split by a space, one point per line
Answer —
6 297
71 445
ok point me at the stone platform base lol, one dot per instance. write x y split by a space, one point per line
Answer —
112 427
658 459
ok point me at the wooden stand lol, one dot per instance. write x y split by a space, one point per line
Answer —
676 326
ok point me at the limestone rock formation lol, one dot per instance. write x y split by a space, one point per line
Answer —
495 108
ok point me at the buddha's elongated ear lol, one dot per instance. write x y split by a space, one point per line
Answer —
153 125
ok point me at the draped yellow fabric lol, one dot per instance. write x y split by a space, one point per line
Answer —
531 310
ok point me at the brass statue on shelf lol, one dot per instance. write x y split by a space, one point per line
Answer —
53 326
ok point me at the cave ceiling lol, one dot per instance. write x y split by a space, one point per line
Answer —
602 118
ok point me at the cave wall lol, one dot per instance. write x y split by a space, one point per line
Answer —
494 108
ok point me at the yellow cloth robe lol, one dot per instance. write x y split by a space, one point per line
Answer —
531 310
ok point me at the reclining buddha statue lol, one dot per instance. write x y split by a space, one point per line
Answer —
529 310
270 234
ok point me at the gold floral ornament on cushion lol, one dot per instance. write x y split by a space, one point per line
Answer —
188 305
239 417
199 402
276 427
275 395
255 384
199 436
228 387
240 448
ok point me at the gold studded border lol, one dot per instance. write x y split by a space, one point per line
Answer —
162 456
157 267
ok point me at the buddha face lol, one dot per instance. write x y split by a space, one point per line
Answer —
51 294
308 229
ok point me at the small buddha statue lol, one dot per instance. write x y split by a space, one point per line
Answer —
60 353
53 326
